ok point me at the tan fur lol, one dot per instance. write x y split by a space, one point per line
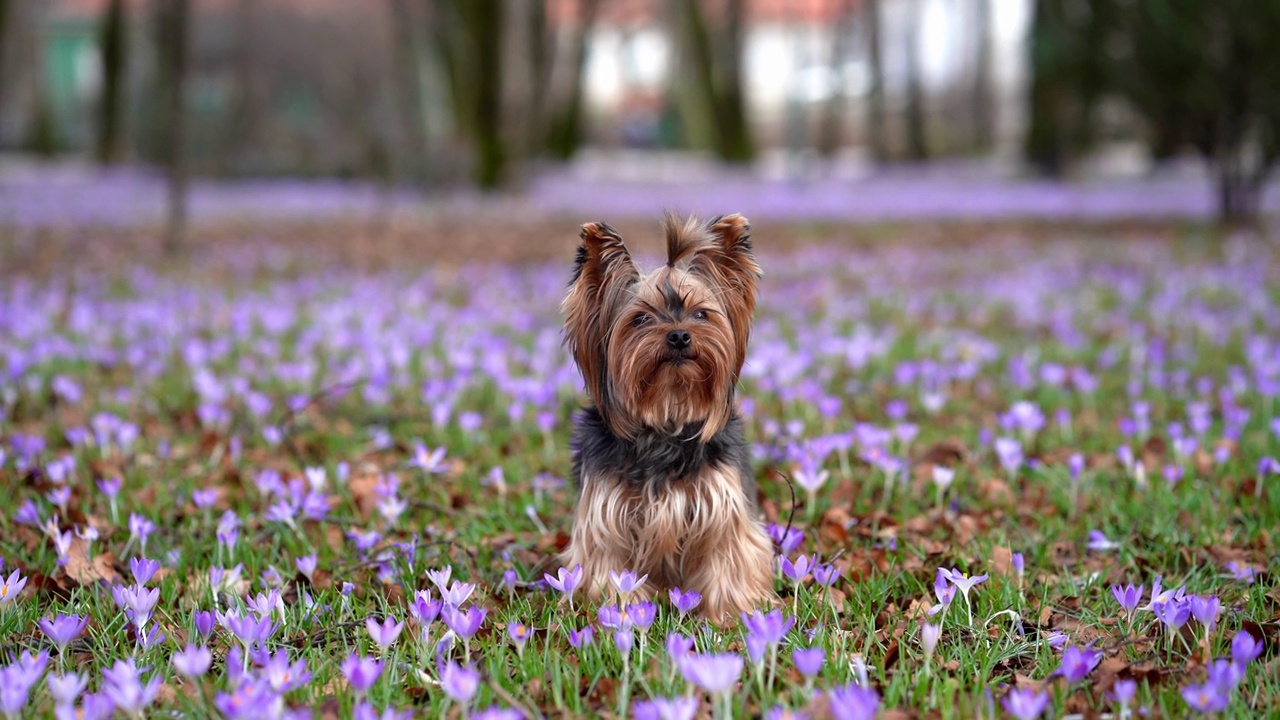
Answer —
699 535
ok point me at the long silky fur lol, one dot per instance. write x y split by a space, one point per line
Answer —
662 468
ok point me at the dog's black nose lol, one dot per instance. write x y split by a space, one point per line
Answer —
678 339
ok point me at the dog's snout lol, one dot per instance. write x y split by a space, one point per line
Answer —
678 339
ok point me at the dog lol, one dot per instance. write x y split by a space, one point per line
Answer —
665 486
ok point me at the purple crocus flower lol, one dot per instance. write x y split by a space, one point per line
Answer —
853 702
384 634
1099 542
1075 465
519 634
249 630
423 609
826 575
1226 674
714 673
626 581
464 623
143 569
204 620
624 640
1122 692
1009 453
798 570
361 672
565 581
684 600
1206 698
1204 610
1174 614
1025 703
770 627
786 540
1245 648
283 675
459 683
1077 663
10 587
1128 597
64 689
192 661
809 661
581 638
63 629
642 614
123 684
665 709
678 646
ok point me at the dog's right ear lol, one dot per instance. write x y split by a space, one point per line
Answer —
602 278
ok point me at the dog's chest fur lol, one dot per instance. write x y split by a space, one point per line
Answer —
656 462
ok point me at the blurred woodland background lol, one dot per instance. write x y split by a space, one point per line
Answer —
486 93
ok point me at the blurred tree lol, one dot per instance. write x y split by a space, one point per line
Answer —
981 100
875 93
709 93
1069 74
175 29
468 37
917 142
114 48
408 91
246 122
829 135
566 126
1206 74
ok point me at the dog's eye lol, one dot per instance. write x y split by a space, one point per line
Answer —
641 319
700 315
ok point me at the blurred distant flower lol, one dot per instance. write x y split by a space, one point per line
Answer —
852 702
123 684
581 638
665 709
361 672
786 540
1009 453
1245 648
192 661
1025 703
809 661
1099 542
714 673
1205 698
1077 663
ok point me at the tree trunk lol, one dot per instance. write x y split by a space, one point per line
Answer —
980 101
469 40
176 21
408 94
712 100
247 124
114 37
1045 141
875 94
731 99
832 111
917 142
566 124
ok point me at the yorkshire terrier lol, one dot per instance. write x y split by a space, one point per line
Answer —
659 457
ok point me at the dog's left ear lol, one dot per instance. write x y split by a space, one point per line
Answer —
730 264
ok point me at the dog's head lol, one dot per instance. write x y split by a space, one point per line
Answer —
663 351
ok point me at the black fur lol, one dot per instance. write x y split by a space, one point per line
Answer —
656 460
